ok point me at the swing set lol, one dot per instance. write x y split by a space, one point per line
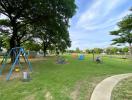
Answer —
17 52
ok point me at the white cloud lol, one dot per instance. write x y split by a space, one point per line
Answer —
92 26
3 16
110 22
97 16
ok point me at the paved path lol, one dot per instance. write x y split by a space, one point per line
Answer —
104 89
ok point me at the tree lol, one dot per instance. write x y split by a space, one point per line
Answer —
114 50
77 50
62 41
87 51
5 41
70 51
124 33
98 50
0 44
54 37
131 9
19 14
55 34
125 49
32 45
23 15
111 50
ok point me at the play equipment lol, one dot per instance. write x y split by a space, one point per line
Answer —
32 54
17 52
98 59
61 60
74 55
26 77
17 69
81 57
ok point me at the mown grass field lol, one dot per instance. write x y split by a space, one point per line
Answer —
123 90
72 81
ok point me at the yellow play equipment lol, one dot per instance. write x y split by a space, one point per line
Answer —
17 69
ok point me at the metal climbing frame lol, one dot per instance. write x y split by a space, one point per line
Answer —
17 51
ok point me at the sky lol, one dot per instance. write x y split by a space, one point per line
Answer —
94 19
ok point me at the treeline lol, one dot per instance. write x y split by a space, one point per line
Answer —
108 50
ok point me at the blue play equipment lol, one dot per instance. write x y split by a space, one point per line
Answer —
17 51
81 57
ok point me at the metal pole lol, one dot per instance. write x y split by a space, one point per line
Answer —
93 54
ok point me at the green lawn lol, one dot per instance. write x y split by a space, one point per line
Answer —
123 90
72 81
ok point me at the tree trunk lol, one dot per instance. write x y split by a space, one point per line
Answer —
44 51
44 48
93 56
12 45
130 49
14 41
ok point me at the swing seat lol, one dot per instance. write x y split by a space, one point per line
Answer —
17 69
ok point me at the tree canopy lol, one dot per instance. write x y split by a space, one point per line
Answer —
24 17
124 33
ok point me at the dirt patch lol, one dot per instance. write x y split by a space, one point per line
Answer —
74 94
37 59
14 75
30 97
83 89
48 96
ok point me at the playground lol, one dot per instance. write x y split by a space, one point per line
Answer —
65 50
72 81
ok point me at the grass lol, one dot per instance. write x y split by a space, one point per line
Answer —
123 90
72 81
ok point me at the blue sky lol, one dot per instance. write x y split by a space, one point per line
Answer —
93 21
